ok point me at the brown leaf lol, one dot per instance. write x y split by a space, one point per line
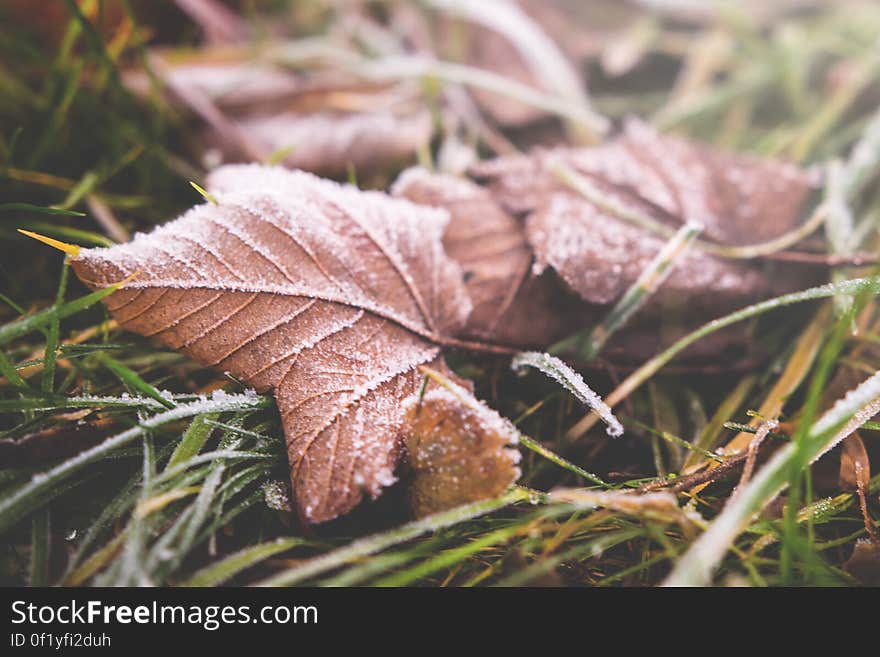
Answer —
864 563
458 450
511 304
489 50
600 256
855 474
452 38
582 28
579 30
327 122
331 141
233 84
55 442
739 199
855 468
325 294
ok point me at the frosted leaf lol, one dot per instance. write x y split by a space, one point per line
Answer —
458 450
601 256
330 142
532 308
511 305
229 84
739 199
323 122
329 296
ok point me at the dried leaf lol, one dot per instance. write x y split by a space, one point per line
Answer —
582 28
230 83
855 474
502 37
600 256
506 39
325 294
331 141
511 305
660 506
864 563
55 442
855 468
737 198
458 452
328 122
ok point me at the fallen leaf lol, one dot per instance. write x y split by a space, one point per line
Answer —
737 198
600 256
325 123
458 450
505 40
514 306
53 443
659 506
583 28
864 563
231 83
332 141
511 304
855 474
855 468
329 296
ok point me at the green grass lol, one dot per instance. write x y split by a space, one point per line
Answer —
121 467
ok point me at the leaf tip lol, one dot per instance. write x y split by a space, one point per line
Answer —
208 196
70 249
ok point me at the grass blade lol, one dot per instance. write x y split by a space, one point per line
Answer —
371 544
553 457
571 381
193 439
133 379
18 328
13 507
226 569
28 207
848 414
40 542
48 383
646 371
